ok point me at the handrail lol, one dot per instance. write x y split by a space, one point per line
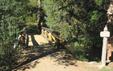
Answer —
47 29
57 37
51 31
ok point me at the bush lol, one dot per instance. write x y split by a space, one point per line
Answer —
106 69
8 57
11 15
79 24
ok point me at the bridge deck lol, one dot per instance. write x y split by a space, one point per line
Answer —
37 40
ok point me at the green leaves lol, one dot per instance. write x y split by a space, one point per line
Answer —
99 2
95 16
12 12
33 3
78 21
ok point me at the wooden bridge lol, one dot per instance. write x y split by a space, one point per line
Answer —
47 36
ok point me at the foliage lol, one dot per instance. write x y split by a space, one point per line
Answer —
99 2
106 69
79 22
12 14
31 20
31 12
33 3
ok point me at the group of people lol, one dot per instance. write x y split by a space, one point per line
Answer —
21 40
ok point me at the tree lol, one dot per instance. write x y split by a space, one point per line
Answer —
12 14
79 23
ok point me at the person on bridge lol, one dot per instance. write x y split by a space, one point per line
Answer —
21 40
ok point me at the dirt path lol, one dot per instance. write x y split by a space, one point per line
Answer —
50 64
56 63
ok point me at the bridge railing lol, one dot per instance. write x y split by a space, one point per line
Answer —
47 33
50 35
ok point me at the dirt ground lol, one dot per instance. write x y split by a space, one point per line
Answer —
60 62
50 64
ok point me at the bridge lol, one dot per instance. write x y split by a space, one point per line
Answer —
47 36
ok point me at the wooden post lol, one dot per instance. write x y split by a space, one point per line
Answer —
105 34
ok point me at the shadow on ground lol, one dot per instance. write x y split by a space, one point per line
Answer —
64 59
33 54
